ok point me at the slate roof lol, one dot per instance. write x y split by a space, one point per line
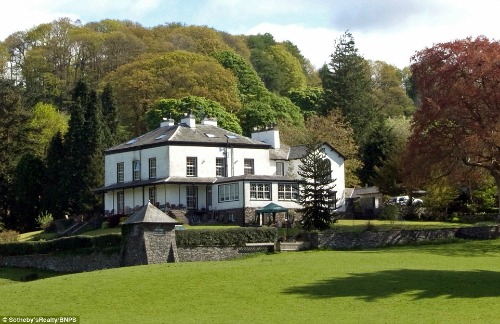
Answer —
150 214
193 180
295 152
181 134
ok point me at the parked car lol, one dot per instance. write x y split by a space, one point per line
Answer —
403 201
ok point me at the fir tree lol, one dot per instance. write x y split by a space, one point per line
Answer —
84 147
28 189
55 196
14 142
347 85
317 194
110 117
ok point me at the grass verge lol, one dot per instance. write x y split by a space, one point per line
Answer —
452 283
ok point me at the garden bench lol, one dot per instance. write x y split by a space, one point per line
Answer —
269 245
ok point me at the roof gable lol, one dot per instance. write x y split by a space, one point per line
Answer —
150 214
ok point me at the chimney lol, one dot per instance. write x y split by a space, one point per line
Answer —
209 121
189 120
269 136
167 122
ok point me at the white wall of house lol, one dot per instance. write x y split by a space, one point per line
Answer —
337 166
111 160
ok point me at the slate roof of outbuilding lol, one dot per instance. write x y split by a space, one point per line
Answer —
150 214
181 134
295 152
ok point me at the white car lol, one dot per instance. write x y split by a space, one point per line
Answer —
403 200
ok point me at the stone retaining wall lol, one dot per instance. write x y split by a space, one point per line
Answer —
214 253
327 239
99 261
368 240
63 263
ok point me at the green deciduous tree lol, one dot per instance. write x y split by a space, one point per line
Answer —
317 189
334 130
199 107
308 99
269 110
45 122
389 92
249 84
171 75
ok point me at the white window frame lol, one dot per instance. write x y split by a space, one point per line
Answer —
120 172
229 192
191 166
260 191
152 168
220 167
136 170
280 168
249 166
288 191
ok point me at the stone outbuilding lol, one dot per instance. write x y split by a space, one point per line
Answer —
148 236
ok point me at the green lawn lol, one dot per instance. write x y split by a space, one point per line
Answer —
446 283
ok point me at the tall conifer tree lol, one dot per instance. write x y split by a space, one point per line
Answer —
317 195
14 142
348 86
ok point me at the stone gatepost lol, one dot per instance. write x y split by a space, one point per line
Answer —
148 236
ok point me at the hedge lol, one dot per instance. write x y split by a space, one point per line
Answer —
225 237
62 245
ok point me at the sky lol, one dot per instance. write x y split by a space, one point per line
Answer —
385 30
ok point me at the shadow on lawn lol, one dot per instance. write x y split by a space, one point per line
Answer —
472 248
21 274
418 283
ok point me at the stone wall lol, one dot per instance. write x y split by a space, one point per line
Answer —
327 239
63 263
99 261
367 240
214 253
148 243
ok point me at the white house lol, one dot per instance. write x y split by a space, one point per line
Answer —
211 173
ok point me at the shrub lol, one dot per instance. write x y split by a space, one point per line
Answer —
391 213
89 244
8 236
225 237
44 220
105 241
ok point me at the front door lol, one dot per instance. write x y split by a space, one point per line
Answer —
192 197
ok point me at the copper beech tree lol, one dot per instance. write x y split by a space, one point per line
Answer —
456 131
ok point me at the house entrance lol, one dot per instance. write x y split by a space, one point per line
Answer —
192 197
